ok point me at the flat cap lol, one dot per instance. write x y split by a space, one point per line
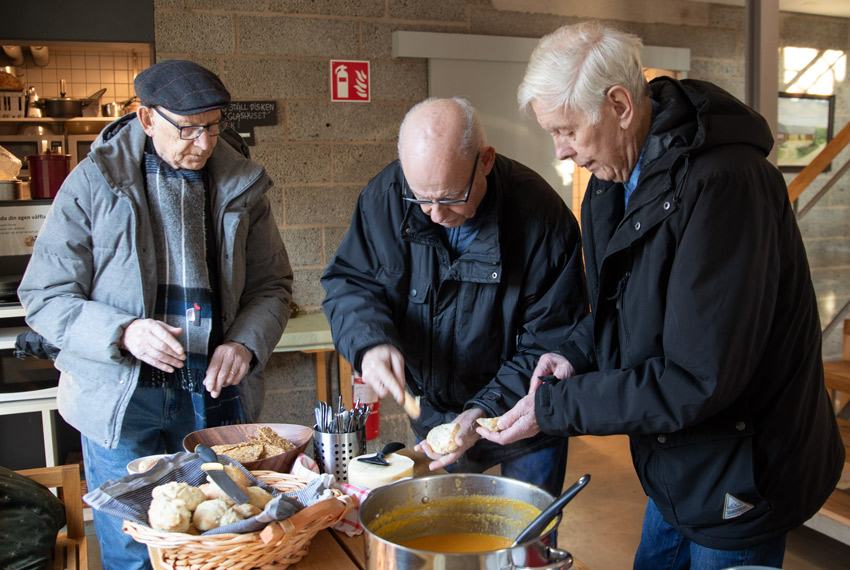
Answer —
183 87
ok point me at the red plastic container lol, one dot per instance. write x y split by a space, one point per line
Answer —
47 172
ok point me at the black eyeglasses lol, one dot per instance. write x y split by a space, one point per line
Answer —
409 196
191 132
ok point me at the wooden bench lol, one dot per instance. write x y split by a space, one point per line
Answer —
71 550
833 519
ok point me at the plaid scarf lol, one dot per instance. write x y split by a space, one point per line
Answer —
178 202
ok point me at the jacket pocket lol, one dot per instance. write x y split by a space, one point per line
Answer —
709 479
416 327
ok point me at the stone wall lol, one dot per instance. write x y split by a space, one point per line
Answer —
320 154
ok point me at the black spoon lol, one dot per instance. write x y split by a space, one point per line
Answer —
533 530
378 458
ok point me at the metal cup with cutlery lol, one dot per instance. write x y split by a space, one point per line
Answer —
338 437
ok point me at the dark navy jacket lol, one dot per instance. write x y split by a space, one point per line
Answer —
704 341
470 329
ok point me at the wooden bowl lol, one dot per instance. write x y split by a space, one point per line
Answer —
282 463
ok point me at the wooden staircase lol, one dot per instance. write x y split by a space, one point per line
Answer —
833 519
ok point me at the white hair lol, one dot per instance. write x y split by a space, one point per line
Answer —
572 69
472 137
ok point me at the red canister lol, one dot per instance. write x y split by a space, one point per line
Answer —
47 172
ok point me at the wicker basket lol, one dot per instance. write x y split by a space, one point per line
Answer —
275 547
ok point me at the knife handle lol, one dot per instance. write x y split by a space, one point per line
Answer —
206 453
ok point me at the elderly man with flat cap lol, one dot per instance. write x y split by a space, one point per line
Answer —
161 276
460 268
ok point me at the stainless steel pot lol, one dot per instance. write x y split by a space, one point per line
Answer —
116 108
10 189
63 107
458 503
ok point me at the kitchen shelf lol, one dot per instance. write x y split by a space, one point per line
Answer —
9 311
8 335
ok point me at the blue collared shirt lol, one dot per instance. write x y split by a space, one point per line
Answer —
630 185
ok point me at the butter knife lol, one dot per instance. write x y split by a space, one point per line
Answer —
215 470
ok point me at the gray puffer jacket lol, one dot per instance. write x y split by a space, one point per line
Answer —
93 272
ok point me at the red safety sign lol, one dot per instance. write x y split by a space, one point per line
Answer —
350 81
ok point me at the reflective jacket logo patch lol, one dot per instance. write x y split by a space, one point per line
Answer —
734 507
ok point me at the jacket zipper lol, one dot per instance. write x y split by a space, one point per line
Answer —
618 296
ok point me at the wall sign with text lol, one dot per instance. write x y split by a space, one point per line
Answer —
350 81
245 115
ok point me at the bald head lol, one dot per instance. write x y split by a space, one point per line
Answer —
439 133
439 144
441 125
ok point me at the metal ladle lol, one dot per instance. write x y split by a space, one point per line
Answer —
533 530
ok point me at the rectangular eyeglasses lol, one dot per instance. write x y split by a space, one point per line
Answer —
191 132
409 196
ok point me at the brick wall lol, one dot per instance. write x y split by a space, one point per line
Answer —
321 154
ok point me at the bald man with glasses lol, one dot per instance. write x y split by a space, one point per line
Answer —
460 267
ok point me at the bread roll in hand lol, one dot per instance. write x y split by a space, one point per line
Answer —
442 438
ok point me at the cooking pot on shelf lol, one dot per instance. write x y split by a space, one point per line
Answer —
458 503
68 107
10 189
47 172
116 109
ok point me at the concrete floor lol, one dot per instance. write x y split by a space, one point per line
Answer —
601 525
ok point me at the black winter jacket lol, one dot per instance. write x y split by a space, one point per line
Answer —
704 341
470 329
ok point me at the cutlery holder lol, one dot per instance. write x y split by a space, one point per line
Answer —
333 451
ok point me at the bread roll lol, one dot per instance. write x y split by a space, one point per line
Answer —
442 438
169 514
234 473
191 496
208 514
490 424
258 497
230 516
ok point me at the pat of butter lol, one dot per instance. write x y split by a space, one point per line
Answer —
371 476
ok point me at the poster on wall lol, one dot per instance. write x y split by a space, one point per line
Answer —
803 129
19 226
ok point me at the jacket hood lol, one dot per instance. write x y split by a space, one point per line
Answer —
697 116
119 149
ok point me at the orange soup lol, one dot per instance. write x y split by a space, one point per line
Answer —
459 542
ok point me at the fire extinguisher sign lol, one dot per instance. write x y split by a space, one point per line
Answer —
350 81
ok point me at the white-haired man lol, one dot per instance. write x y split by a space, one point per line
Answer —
703 340
459 269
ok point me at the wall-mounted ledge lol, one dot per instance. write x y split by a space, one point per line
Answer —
433 45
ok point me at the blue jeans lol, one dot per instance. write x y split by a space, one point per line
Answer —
156 421
662 547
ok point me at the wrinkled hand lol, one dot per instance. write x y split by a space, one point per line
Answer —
550 364
465 438
229 364
154 342
517 423
383 369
